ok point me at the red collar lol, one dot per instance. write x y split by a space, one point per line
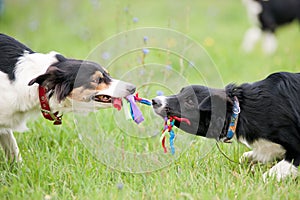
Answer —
45 108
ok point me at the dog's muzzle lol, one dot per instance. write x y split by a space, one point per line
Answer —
156 103
159 105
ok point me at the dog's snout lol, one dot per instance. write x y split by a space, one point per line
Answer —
156 103
131 88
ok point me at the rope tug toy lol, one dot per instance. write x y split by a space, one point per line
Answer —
168 125
135 112
169 121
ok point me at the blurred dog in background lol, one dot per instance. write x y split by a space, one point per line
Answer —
267 16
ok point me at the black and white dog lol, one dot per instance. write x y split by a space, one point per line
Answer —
267 16
264 115
31 82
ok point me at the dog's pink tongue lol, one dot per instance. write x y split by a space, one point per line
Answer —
117 103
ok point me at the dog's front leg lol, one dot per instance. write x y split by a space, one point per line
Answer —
281 170
269 43
10 146
258 156
263 151
251 38
247 157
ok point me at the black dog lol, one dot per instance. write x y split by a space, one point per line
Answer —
267 16
264 115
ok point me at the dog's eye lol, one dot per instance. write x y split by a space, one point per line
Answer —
189 104
97 80
190 101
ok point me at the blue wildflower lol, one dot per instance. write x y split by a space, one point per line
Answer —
105 56
120 186
159 93
135 19
146 51
145 39
169 67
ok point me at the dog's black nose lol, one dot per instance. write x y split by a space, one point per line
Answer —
156 103
131 89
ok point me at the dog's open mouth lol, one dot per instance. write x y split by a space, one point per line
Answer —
103 98
117 102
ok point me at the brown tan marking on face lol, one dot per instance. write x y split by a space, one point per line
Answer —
97 74
96 83
101 86
82 94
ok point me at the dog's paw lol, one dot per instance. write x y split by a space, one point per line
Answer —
280 171
247 157
14 158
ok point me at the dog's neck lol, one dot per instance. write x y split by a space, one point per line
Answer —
25 99
230 128
30 66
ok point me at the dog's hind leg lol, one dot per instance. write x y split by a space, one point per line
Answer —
9 145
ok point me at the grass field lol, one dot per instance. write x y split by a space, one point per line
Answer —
59 164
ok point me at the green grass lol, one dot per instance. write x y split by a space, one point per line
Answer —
59 165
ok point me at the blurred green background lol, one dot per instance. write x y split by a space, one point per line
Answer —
58 166
74 28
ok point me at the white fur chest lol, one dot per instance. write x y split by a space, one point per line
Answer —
19 101
16 104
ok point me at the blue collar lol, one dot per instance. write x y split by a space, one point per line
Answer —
233 121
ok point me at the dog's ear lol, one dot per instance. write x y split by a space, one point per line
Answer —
215 101
46 78
53 79
39 80
60 58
